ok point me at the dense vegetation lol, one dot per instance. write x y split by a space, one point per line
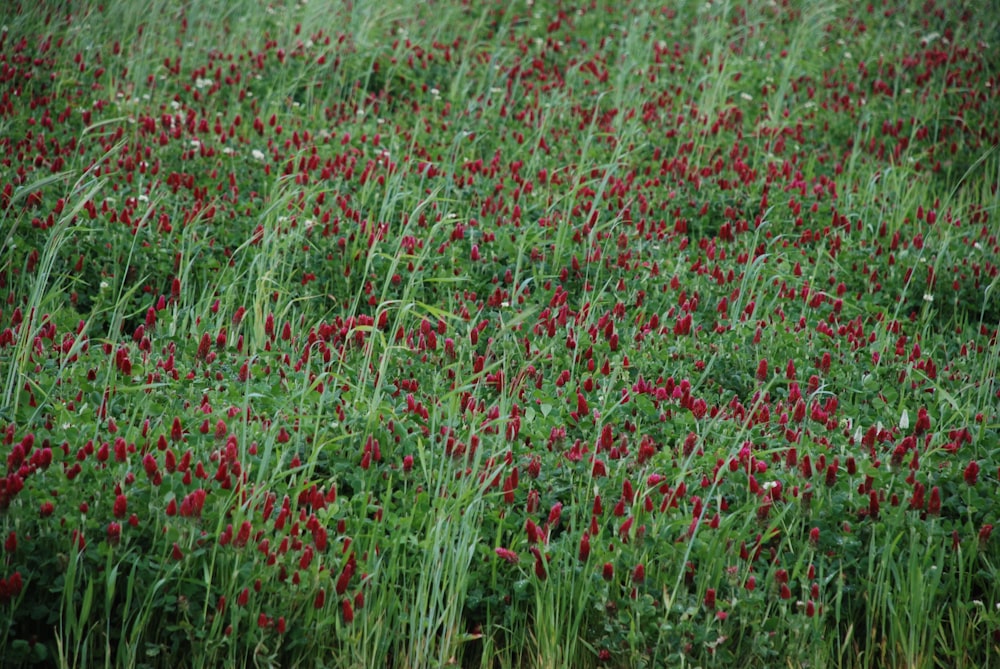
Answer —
499 334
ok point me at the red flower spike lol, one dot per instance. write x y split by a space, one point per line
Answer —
555 513
540 568
344 579
507 555
710 598
584 547
320 599
831 475
934 505
176 430
623 530
176 552
149 464
121 506
347 611
971 473
534 533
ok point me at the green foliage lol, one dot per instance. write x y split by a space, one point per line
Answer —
499 335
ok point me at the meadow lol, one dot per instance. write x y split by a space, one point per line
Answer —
497 334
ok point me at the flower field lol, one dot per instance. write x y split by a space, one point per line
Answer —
499 334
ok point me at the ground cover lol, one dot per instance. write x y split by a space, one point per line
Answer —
499 334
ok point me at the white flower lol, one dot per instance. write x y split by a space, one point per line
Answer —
257 154
904 420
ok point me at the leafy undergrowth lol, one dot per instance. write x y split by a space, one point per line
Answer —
499 334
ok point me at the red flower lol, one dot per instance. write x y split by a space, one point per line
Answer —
320 599
710 598
555 513
971 473
176 552
347 610
243 536
534 533
831 475
114 533
540 568
345 578
121 506
149 464
176 430
507 554
584 547
623 530
599 469
923 422
11 587
934 505
608 571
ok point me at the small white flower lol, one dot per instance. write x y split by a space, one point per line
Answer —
904 420
928 297
257 154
